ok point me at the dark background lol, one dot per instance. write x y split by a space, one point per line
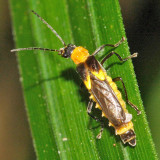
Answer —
142 24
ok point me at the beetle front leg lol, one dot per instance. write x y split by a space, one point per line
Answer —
109 45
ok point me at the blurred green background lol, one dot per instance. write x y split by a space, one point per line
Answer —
142 24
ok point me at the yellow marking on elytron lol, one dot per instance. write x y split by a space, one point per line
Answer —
98 106
110 124
100 75
118 94
109 79
92 97
103 115
113 85
123 128
88 82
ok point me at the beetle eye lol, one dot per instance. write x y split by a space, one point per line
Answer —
68 51
65 55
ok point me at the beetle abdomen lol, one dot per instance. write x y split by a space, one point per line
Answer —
129 137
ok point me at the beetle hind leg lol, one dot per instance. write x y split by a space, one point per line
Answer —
100 133
131 104
134 107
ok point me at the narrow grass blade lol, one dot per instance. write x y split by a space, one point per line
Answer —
55 105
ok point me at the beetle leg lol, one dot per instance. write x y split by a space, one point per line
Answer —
89 109
110 45
131 104
81 85
90 105
100 133
119 57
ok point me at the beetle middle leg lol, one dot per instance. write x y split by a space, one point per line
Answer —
89 109
131 104
119 57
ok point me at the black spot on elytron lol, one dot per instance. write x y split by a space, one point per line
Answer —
93 64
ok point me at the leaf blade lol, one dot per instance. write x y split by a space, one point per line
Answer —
88 28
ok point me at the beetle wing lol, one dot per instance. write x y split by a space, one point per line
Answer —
107 100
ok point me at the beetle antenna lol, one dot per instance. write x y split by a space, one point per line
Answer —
57 35
35 48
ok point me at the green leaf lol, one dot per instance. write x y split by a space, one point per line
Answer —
55 105
153 112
